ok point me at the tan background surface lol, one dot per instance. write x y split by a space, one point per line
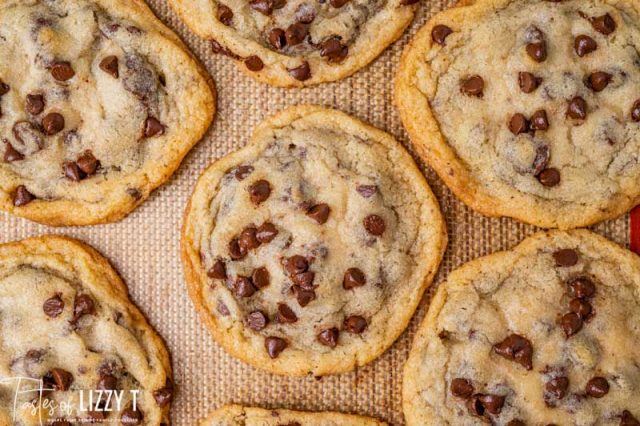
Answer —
144 247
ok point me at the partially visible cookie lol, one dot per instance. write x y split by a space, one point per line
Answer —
529 108
298 42
99 103
67 325
545 333
237 415
308 251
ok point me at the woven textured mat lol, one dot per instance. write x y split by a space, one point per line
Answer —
144 247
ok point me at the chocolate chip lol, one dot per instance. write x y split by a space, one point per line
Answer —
243 287
83 305
304 279
329 337
22 196
461 388
473 86
164 396
539 120
374 224
259 191
541 159
598 81
52 123
604 24
516 422
236 252
304 296
257 320
225 14
296 264
627 419
319 213
254 63
296 33
266 232
355 324
152 127
439 34
582 287
34 104
277 38
10 153
87 163
4 88
285 314
577 108
223 309
72 171
549 177
218 270
248 239
353 278
571 324
583 45
474 405
62 71
275 346
260 277
53 306
368 191
557 387
338 3
263 6
62 379
597 387
241 172
107 382
300 73
518 124
479 403
110 65
537 51
131 417
528 82
333 50
516 348
565 257
580 307
635 111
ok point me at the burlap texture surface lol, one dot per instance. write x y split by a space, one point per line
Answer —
144 247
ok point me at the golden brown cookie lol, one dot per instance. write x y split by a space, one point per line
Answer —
237 415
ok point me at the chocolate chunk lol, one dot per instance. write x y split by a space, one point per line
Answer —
580 307
72 171
225 14
635 111
266 232
296 33
539 120
236 252
355 324
473 86
10 153
304 296
53 306
603 24
248 239
353 278
164 396
374 224
518 124
263 6
571 324
259 191
260 277
131 417
34 104
537 51
598 81
577 108
300 73
583 45
285 314
277 38
87 163
368 191
218 270
528 82
22 196
275 346
4 88
107 382
627 419
257 320
296 265
461 388
439 34
52 123
152 127
110 65
329 337
254 63
549 177
338 3
597 387
241 172
304 279
333 50
516 348
565 257
319 213
83 305
243 287
557 387
582 287
62 71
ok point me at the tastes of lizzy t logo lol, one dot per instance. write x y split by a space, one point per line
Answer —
30 399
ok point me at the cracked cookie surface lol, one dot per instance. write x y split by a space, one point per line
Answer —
308 251
298 42
65 319
530 109
544 333
99 103
236 415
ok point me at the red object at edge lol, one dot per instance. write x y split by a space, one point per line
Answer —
634 234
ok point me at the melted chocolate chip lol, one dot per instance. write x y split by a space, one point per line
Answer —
537 51
52 123
528 82
473 86
277 38
110 65
304 296
236 252
254 63
565 257
597 387
107 382
333 50
580 307
539 120
218 270
53 306
557 387
266 232
131 417
479 403
259 191
61 379
225 14
300 73
338 3
83 305
582 287
304 279
260 277
248 239
4 88
518 124
152 127
319 213
241 172
577 108
257 320
598 81
571 324
439 34
164 396
10 153
635 111
603 24
296 33
22 196
285 314
461 388
541 159
62 71
296 265
353 278
549 177
355 324
87 163
329 337
374 225
275 346
243 287
516 422
627 419
368 191
583 45
72 171
516 348
34 104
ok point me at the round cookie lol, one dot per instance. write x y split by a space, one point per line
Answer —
65 319
540 334
237 415
99 103
298 42
308 251
529 108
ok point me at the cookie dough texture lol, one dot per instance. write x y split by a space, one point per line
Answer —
99 104
65 318
524 291
467 139
236 415
310 157
270 39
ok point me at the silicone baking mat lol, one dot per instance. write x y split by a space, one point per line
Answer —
144 247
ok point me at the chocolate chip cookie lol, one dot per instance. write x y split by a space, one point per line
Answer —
530 108
298 42
68 328
236 415
545 333
308 251
99 103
